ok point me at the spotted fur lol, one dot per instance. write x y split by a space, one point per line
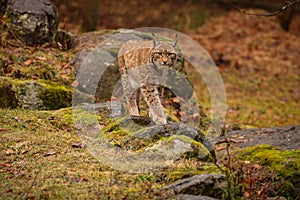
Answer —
143 66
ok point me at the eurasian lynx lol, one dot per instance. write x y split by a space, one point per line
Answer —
143 66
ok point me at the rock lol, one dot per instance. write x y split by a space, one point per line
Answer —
3 5
282 137
276 198
33 21
177 138
8 97
120 141
211 185
191 197
275 148
192 142
97 68
32 94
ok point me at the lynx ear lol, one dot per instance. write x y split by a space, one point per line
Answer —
155 40
174 43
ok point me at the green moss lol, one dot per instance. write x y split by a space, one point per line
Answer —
68 117
8 96
55 96
188 170
112 126
145 178
287 189
284 162
37 94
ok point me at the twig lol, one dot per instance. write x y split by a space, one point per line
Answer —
270 14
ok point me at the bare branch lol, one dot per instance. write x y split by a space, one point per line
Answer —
289 4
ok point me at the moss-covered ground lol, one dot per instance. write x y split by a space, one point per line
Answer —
41 159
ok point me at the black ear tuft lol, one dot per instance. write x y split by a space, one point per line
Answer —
155 39
174 43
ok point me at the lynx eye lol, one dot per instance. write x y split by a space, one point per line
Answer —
159 53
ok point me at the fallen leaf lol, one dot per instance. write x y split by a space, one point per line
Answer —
50 158
50 153
84 179
2 129
28 62
9 152
5 165
41 57
25 151
78 145
75 83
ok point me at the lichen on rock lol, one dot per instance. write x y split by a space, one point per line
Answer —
33 21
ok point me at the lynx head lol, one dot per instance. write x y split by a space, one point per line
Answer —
164 53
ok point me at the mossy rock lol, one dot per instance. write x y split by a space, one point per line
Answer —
8 95
34 94
143 135
285 164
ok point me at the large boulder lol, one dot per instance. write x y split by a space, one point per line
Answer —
3 5
97 65
34 94
33 21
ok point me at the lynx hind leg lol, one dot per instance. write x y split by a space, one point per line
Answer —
131 97
152 99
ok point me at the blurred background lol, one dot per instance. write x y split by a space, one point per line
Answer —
182 15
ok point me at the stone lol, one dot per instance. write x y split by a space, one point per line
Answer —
283 137
34 94
140 141
211 185
191 197
191 142
33 21
3 5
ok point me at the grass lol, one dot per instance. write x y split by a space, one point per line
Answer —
255 99
37 160
262 101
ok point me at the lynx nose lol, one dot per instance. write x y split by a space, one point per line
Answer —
164 60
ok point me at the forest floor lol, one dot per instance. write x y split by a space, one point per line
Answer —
42 157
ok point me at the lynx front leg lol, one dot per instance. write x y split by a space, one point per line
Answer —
130 96
151 96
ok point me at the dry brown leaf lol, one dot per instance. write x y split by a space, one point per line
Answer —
9 152
50 153
28 62
78 145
